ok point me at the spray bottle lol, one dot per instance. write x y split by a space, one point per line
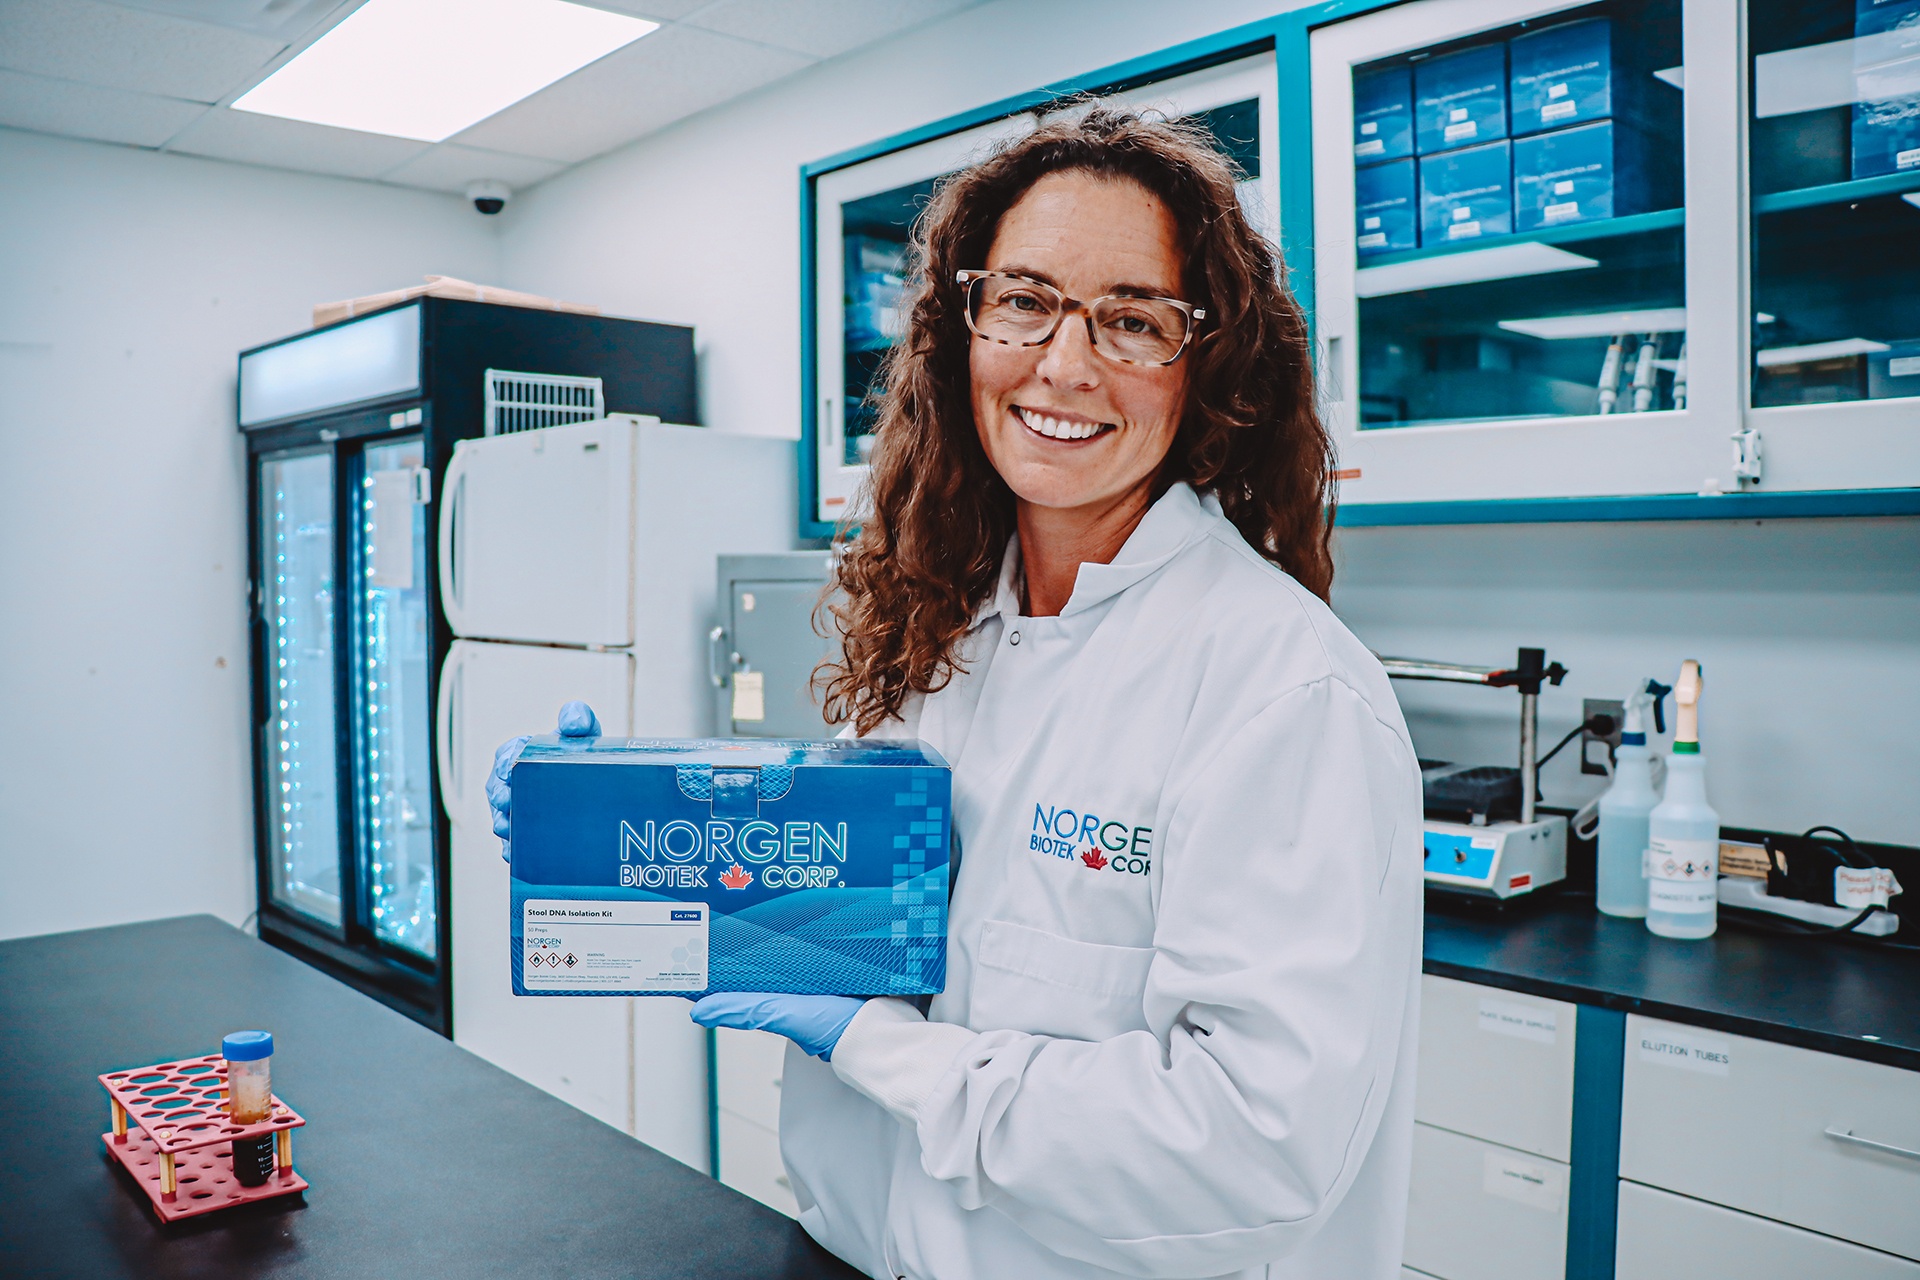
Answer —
1625 808
1683 836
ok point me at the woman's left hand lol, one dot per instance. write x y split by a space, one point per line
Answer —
812 1022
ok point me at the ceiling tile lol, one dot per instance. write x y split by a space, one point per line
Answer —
823 28
284 18
126 49
658 10
449 167
652 82
88 111
225 134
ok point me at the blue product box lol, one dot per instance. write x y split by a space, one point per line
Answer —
1385 218
1382 114
1881 17
1895 371
1886 119
1564 75
1466 194
1579 174
654 867
1460 99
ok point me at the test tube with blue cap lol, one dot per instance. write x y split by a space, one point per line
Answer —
249 1056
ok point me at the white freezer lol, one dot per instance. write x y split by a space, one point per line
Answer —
579 562
492 692
605 532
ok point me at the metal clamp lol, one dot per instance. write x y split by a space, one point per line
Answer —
1848 1136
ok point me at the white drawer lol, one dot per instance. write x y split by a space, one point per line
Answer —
1496 1065
1748 1123
747 1066
750 1163
1478 1211
1669 1235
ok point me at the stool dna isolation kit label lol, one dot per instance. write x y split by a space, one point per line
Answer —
646 866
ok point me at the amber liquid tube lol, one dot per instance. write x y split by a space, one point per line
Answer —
249 1056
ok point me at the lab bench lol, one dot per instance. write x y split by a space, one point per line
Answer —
424 1160
1595 1101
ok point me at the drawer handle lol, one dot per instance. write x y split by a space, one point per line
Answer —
1847 1135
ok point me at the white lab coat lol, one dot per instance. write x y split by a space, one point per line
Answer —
1177 1037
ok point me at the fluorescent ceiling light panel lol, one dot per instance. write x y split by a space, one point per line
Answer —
426 69
1603 324
1499 263
1768 357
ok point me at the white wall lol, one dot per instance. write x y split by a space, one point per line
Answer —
1810 631
128 283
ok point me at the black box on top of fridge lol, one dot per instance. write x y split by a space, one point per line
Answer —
348 429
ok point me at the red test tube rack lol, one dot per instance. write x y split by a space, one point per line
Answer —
179 1152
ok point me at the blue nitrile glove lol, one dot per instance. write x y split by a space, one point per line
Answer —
812 1022
576 721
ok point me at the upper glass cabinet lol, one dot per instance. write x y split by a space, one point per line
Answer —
1517 197
1835 163
863 221
1505 268
1618 249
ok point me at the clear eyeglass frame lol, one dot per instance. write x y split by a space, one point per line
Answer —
1064 306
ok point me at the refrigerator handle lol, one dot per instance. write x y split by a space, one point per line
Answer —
453 487
716 641
445 731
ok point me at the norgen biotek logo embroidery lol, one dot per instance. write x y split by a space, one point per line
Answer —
1099 845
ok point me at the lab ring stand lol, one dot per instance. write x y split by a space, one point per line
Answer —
179 1152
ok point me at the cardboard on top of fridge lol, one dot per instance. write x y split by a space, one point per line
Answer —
647 866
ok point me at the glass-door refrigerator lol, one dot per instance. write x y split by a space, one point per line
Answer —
348 429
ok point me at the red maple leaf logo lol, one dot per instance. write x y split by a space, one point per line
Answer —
737 877
1095 859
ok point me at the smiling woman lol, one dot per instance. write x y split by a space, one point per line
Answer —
1191 365
1184 939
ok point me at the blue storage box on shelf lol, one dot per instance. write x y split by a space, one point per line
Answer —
1460 99
1886 119
1466 194
1881 17
1572 175
1382 114
1385 215
1575 73
656 867
1895 371
1886 87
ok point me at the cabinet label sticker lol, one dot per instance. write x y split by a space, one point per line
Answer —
1533 1183
1522 1021
1672 1046
583 946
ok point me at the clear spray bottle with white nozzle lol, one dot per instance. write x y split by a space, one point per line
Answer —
1683 836
1621 888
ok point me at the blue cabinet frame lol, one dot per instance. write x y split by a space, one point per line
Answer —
1286 35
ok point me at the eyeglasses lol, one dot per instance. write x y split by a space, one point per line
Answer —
1018 311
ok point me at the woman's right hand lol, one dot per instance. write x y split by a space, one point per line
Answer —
576 721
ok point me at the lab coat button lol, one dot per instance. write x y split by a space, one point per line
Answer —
1014 638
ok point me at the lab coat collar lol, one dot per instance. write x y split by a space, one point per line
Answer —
1171 524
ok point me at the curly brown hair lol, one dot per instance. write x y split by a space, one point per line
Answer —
937 517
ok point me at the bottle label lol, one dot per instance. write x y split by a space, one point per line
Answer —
1682 875
1680 896
1682 859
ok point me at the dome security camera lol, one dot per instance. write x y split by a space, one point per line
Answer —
489 197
